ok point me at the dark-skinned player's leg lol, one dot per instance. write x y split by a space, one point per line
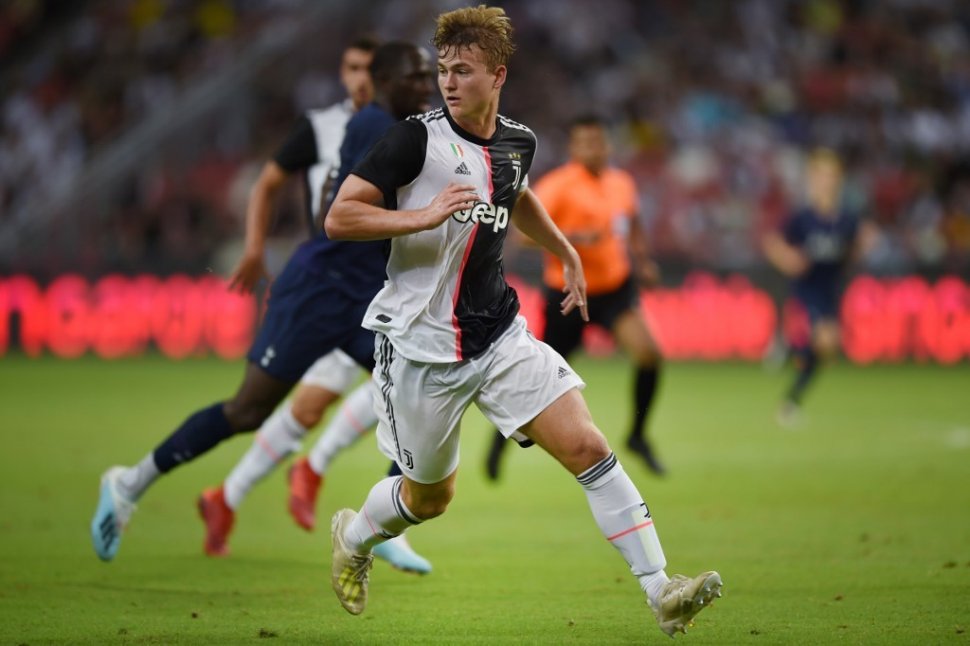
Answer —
121 487
258 395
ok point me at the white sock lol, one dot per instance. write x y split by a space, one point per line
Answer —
280 436
625 520
382 517
355 417
135 480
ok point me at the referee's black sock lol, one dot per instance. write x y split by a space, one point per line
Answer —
644 389
645 386
199 433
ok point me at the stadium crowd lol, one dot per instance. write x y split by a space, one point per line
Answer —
713 109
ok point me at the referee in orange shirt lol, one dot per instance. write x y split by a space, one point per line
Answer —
596 207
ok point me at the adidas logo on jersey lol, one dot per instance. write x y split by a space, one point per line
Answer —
562 372
462 169
482 212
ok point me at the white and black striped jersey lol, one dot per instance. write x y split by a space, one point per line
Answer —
313 146
446 298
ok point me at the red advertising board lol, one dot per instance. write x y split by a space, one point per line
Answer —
706 318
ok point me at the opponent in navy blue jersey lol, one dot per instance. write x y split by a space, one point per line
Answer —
445 187
813 248
402 82
312 311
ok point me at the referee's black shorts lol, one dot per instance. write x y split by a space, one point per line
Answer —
565 333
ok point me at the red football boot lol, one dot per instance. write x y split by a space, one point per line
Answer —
304 487
218 519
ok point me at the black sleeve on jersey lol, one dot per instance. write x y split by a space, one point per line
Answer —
531 145
299 151
395 160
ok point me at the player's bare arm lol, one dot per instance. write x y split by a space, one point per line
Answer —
259 214
531 218
785 257
357 212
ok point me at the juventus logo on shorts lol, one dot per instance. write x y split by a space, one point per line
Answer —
408 460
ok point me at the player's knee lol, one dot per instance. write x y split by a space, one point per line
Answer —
649 357
826 346
430 502
310 403
244 416
589 448
307 415
825 351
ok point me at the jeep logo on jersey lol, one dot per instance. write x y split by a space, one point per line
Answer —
497 216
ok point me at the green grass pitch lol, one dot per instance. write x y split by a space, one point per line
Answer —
853 529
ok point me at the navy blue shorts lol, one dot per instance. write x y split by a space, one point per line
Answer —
818 306
307 317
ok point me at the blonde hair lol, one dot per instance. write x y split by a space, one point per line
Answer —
821 156
487 27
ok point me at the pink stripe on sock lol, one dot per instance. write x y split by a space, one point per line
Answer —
353 422
268 449
369 524
628 531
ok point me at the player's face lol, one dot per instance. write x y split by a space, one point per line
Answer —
412 86
824 185
355 77
589 146
469 89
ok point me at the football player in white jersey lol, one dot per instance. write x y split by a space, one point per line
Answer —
444 187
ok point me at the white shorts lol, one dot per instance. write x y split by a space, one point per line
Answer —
420 405
335 371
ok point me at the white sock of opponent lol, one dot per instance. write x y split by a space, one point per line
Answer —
382 517
625 520
135 480
280 436
355 417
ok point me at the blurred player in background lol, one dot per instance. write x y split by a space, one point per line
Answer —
596 208
401 74
813 248
444 187
314 312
